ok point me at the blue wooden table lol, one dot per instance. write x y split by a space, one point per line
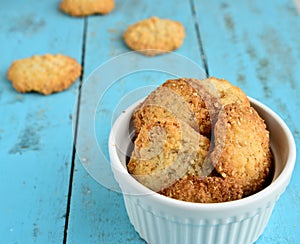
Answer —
48 192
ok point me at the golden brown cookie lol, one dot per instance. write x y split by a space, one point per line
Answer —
194 100
191 100
192 188
164 103
164 151
154 36
241 147
44 73
80 8
228 93
235 163
241 156
217 93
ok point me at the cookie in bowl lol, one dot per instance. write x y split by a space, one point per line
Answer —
236 160
214 208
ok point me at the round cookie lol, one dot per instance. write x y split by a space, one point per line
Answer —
241 156
228 93
192 188
241 147
194 100
44 73
79 8
164 151
154 36
164 103
235 163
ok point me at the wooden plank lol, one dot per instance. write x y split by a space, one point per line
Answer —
35 130
98 214
255 44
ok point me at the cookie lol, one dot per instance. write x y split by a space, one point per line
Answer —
213 189
217 93
81 8
154 36
240 155
228 93
165 150
163 103
241 148
235 162
194 101
44 73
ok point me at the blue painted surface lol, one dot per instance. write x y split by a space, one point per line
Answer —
36 131
254 44
260 52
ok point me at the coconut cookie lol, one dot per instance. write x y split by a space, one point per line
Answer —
154 36
164 151
44 73
242 150
235 162
241 158
163 103
212 189
81 8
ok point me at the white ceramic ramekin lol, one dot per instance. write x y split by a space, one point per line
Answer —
159 219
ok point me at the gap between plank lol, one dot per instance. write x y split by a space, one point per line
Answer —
68 208
197 29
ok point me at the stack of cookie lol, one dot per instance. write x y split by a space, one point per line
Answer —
200 141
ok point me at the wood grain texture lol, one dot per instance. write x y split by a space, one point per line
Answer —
255 45
100 215
35 131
